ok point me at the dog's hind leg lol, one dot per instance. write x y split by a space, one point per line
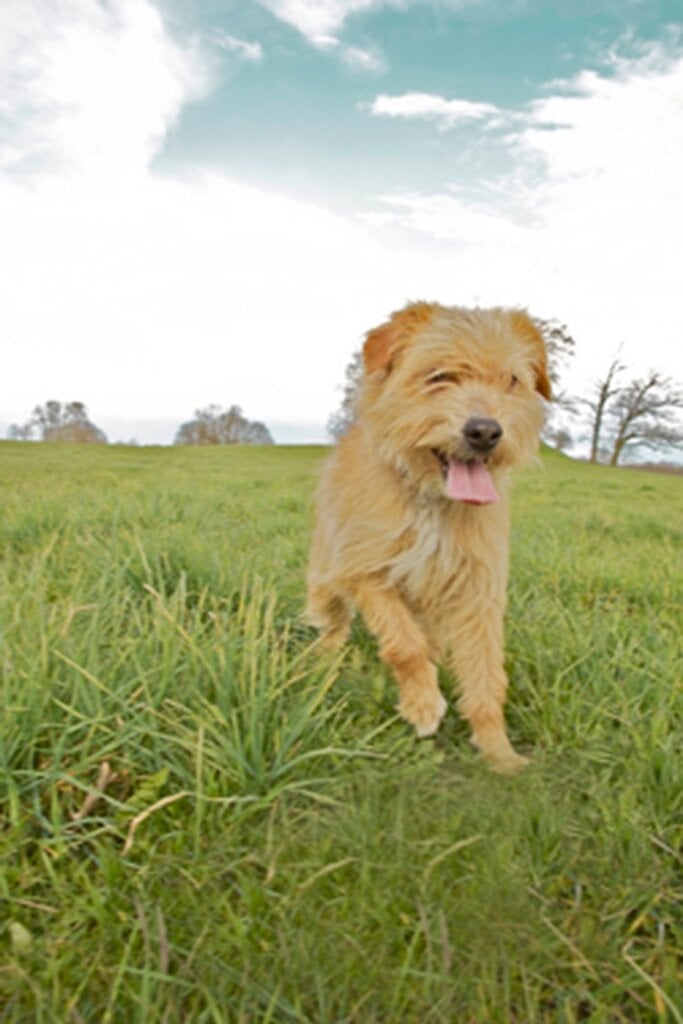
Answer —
403 646
330 613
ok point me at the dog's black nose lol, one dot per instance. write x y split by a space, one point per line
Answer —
482 434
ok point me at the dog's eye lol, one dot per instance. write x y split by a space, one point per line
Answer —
514 381
442 378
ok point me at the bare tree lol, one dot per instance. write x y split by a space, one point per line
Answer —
560 438
340 421
19 432
561 347
213 425
603 391
643 415
559 344
55 421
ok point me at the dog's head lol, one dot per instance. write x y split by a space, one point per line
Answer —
451 395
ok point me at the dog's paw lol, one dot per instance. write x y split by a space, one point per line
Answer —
508 763
332 639
499 754
424 712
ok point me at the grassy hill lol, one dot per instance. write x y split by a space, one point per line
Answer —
203 821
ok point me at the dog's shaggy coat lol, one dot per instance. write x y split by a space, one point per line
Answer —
412 508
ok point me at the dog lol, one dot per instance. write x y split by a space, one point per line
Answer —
412 506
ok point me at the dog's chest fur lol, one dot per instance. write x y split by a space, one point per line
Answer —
430 550
443 546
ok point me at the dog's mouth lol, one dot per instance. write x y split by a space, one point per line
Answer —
466 481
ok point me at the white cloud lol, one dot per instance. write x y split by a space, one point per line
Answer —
250 51
355 57
611 202
452 218
364 60
597 184
148 296
319 20
166 295
88 85
430 107
626 123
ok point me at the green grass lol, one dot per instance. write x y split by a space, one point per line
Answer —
271 843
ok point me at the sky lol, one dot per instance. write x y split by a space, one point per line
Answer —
211 201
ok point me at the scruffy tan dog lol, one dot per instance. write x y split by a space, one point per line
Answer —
412 526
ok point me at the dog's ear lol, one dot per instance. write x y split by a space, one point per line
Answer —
524 327
382 343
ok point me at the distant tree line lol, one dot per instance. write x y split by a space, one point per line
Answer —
617 417
55 421
69 421
214 425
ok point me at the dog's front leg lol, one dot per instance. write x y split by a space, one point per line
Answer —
403 647
476 647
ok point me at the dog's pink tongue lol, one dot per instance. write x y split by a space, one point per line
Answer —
470 482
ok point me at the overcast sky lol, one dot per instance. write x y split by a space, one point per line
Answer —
212 200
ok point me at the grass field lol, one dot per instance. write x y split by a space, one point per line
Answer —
268 842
